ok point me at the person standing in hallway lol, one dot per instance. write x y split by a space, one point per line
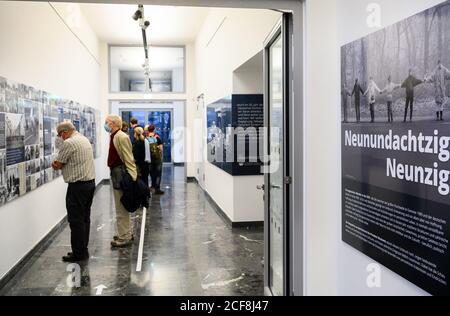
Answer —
125 127
133 125
120 161
409 84
357 91
371 91
156 151
345 93
141 153
389 90
76 161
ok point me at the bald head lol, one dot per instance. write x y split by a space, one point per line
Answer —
65 129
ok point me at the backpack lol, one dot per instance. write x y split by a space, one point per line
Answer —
155 150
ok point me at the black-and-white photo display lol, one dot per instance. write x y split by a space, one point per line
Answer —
28 120
395 106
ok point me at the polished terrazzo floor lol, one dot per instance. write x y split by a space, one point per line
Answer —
188 250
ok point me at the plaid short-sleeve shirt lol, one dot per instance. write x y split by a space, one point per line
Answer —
77 157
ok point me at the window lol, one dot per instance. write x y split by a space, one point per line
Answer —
126 72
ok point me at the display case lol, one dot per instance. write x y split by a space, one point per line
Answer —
234 136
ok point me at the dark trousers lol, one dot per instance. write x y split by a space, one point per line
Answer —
155 174
358 112
409 104
390 114
144 171
372 112
345 113
78 203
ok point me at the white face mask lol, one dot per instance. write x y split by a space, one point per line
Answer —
59 142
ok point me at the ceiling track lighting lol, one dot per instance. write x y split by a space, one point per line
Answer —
139 16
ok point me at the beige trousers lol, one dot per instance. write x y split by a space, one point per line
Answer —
123 217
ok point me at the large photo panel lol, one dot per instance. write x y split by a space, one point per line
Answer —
28 120
395 105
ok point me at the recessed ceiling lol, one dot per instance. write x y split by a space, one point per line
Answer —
169 25
160 58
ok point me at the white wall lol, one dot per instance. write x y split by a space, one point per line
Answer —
219 52
249 78
38 49
219 186
177 79
248 82
331 266
240 37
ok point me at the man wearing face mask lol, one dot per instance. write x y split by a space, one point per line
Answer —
120 161
76 161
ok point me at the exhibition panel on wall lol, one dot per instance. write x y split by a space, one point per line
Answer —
28 140
395 147
235 136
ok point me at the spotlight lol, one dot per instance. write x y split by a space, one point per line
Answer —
144 24
139 13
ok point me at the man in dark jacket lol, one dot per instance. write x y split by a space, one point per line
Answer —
357 91
409 84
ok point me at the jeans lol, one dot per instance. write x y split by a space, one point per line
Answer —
345 113
390 114
155 174
78 203
409 103
372 112
358 111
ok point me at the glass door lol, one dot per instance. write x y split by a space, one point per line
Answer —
276 177
163 121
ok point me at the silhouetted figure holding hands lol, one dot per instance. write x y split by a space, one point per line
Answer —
409 84
345 93
371 96
438 77
357 91
389 89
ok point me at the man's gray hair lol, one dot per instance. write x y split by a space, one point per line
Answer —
115 119
65 127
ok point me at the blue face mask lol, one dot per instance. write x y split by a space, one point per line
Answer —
107 128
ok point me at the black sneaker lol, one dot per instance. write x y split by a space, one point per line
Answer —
72 258
159 192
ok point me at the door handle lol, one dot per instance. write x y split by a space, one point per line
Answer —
273 186
261 187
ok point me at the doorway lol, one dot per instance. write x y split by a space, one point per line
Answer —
162 119
169 118
284 264
277 92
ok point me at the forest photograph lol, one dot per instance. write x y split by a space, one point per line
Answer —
400 73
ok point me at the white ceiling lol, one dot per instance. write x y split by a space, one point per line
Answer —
160 58
169 25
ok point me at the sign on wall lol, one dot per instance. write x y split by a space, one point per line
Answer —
395 147
28 120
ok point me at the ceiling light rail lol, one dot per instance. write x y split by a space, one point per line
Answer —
143 24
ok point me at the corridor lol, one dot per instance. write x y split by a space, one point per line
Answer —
188 250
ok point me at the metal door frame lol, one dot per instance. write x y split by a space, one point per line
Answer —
284 29
297 109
